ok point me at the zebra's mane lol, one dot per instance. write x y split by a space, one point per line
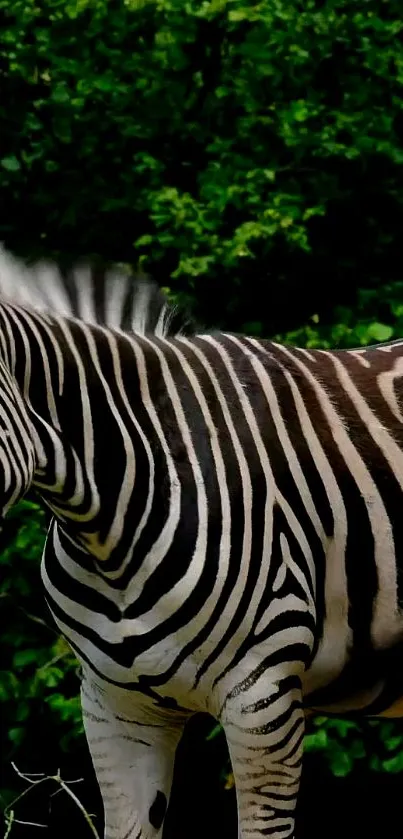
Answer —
107 296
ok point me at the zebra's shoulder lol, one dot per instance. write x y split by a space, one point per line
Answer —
95 292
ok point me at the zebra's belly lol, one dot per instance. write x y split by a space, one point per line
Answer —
360 705
371 685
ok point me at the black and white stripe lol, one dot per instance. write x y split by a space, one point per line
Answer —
228 537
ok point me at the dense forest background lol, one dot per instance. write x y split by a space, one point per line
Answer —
249 156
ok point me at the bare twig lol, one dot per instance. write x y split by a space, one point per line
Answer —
10 820
53 661
9 823
77 801
34 779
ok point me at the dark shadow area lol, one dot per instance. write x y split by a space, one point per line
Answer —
363 804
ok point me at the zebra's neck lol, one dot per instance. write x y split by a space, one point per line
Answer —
90 448
17 448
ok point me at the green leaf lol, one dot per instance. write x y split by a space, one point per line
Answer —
316 741
341 762
16 735
11 164
380 332
214 732
24 657
146 239
9 684
60 94
51 676
394 764
392 743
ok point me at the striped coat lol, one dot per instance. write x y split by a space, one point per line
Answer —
227 532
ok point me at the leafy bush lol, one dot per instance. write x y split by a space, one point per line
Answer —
38 680
251 152
377 317
343 743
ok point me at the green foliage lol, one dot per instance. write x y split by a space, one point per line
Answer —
38 675
343 742
249 151
377 317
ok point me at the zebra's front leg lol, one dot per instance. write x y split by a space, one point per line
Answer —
265 741
133 747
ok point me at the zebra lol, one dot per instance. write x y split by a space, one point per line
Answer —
227 533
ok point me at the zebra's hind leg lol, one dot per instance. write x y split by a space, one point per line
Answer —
133 746
265 741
